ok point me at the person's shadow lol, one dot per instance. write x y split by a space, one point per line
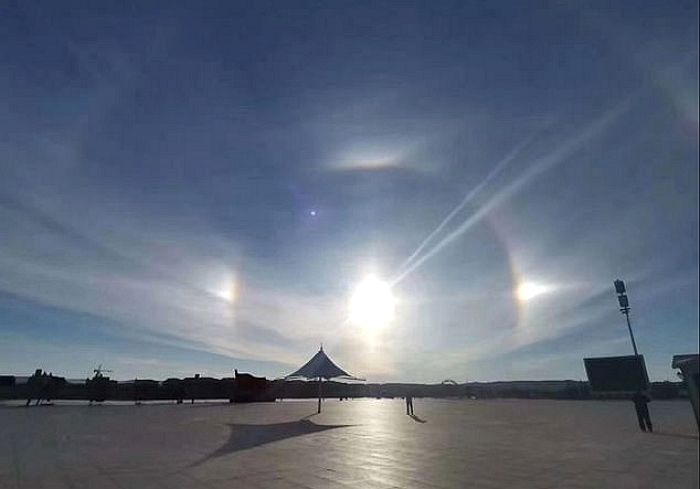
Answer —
416 418
675 435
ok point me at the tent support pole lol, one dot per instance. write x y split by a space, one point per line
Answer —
320 393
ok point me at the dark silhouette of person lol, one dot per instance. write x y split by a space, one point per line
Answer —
640 405
35 387
409 404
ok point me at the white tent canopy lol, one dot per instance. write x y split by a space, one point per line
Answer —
318 368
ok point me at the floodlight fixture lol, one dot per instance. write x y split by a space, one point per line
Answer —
620 286
624 302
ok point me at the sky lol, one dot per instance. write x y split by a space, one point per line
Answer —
193 187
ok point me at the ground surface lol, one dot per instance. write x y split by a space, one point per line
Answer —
359 444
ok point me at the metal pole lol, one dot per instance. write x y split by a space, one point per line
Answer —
626 312
320 384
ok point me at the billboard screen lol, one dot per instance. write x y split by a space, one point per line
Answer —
617 374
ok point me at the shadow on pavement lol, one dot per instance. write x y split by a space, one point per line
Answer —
245 436
675 435
416 418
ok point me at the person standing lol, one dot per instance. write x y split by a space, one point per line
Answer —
409 404
640 405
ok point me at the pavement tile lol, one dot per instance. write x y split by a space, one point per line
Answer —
363 444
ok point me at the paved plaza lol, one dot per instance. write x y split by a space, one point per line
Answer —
352 444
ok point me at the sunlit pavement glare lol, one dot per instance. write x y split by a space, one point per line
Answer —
357 443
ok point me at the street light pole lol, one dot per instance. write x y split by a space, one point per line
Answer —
629 327
625 309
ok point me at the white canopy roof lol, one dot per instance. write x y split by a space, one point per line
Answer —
320 366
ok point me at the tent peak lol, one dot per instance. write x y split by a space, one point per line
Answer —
320 367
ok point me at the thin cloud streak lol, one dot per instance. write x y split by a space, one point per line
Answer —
136 292
500 166
556 157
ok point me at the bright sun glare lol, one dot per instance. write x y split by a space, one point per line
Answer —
227 292
529 290
372 304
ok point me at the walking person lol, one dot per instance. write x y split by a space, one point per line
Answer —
409 404
640 405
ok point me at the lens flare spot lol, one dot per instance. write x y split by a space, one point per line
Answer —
228 292
527 291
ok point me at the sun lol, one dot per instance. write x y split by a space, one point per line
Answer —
372 304
529 290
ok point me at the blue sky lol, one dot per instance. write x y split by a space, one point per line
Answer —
156 155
